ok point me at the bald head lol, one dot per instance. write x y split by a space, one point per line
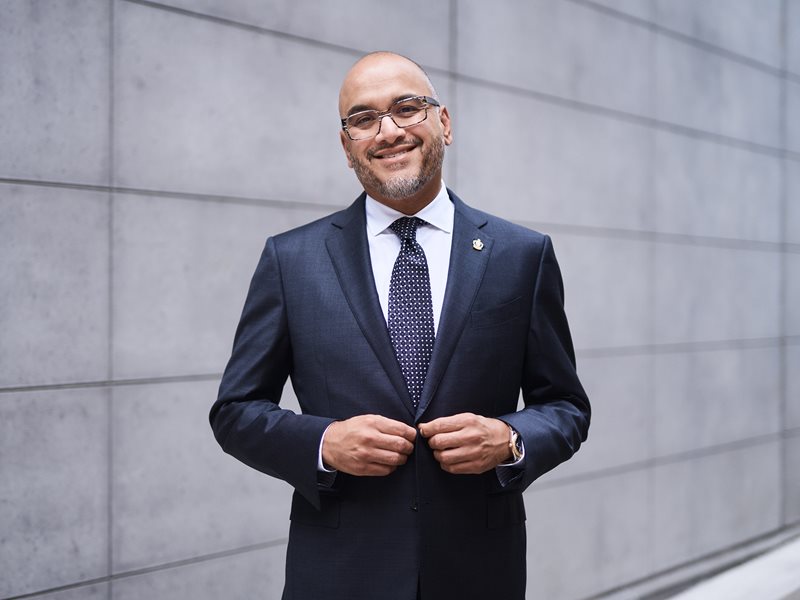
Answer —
377 69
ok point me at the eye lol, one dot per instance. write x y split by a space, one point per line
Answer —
362 120
406 110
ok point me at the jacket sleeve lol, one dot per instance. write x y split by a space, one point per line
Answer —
555 419
246 418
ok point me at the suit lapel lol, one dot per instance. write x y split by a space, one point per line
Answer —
349 252
465 273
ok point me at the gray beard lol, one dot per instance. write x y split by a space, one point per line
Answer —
401 187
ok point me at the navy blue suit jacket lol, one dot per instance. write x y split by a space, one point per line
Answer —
312 314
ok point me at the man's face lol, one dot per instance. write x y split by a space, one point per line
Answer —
401 168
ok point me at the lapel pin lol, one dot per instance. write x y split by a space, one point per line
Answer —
477 244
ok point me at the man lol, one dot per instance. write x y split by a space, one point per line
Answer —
407 342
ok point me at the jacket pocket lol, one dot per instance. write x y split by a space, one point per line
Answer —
504 510
497 315
305 513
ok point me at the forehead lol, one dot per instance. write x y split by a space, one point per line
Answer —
376 82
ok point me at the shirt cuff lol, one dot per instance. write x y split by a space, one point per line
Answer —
320 465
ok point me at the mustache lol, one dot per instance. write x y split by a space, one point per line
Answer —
385 146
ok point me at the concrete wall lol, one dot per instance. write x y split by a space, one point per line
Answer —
149 147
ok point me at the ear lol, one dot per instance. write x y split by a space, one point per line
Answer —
447 131
345 146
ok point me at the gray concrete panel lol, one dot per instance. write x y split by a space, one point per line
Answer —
621 431
53 285
248 576
181 273
707 293
255 117
587 536
792 417
606 290
793 116
792 287
705 399
53 489
791 488
642 9
529 160
176 494
792 29
705 91
357 24
751 28
792 216
558 48
741 200
98 591
706 503
54 82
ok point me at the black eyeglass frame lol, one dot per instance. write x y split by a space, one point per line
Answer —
388 113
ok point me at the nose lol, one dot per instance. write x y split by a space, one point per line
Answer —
389 131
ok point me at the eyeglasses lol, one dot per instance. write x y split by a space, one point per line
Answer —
404 113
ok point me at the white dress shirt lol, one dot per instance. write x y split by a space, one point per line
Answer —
435 236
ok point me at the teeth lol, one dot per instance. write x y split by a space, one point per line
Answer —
395 154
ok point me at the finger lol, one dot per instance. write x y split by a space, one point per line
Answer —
394 443
442 441
444 424
456 456
398 428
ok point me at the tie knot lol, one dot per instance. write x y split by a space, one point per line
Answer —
406 228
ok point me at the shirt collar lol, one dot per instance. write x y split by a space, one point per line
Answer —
439 213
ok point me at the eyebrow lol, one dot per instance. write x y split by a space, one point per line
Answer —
362 107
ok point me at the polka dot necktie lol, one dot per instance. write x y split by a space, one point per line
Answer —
410 307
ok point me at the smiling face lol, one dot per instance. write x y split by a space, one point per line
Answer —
401 168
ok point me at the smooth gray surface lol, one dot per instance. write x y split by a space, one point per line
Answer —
357 24
792 218
792 291
792 387
181 273
704 91
621 432
558 48
793 116
176 495
707 503
550 163
792 29
642 9
600 527
246 576
217 122
99 591
606 283
772 576
55 90
742 200
708 294
750 28
706 399
53 285
53 488
791 482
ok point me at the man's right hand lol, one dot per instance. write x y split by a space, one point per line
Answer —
367 445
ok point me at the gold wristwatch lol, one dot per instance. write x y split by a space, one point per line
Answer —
514 443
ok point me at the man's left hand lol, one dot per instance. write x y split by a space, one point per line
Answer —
467 444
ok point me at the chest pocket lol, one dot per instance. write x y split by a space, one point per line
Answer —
497 315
